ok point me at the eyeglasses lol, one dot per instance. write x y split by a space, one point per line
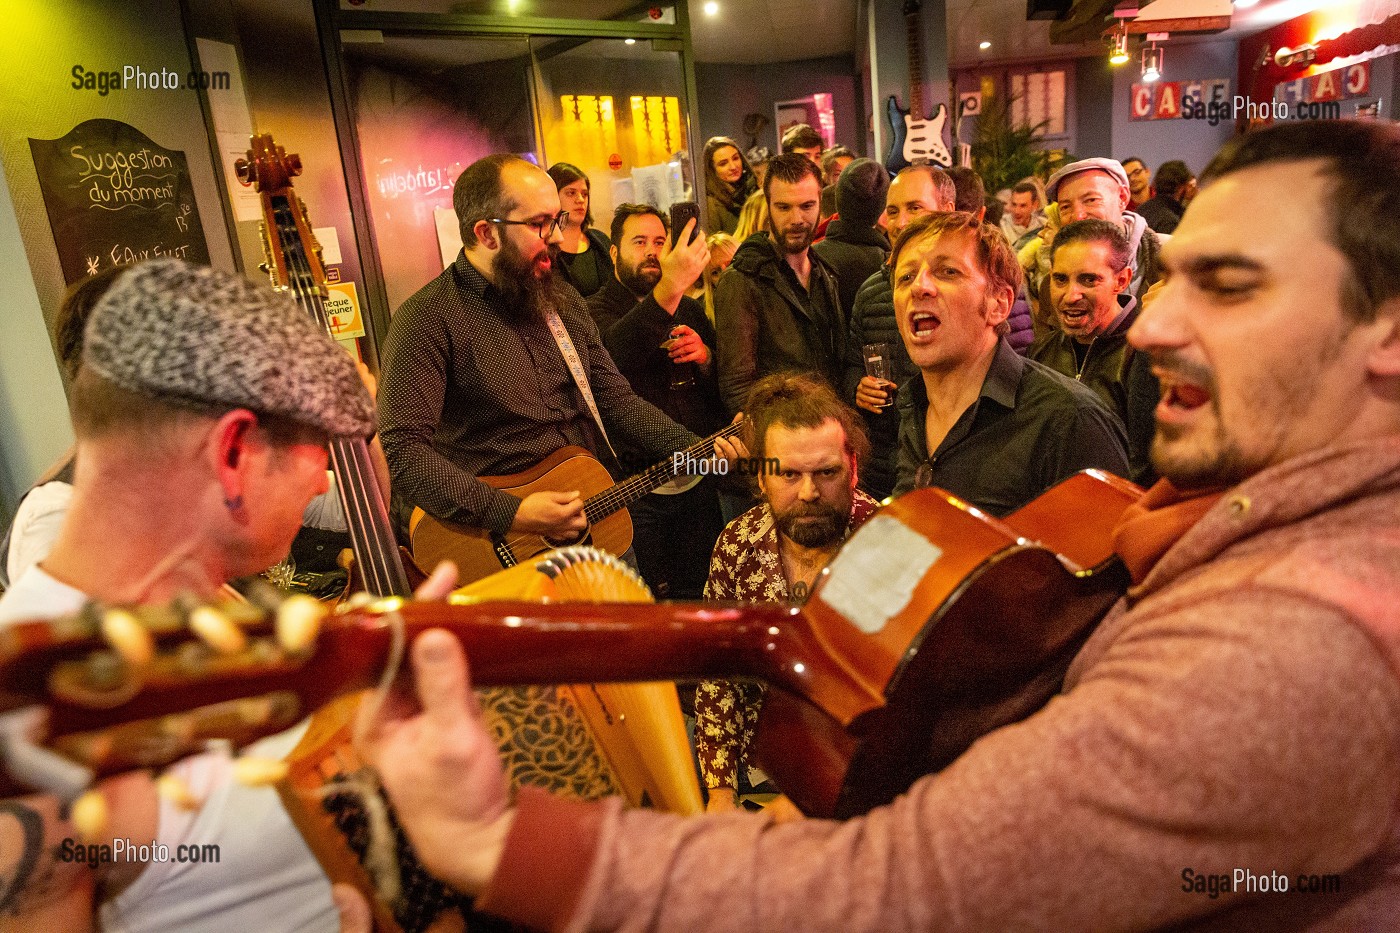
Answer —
545 228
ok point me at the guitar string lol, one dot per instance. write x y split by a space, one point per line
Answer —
378 566
353 468
373 565
659 473
606 503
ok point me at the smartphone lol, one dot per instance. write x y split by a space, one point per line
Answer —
682 212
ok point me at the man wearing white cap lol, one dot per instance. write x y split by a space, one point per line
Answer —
1098 189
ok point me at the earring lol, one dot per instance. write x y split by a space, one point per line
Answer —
234 504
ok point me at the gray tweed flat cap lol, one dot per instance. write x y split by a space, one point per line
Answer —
195 335
1111 167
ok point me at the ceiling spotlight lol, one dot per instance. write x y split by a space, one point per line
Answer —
1151 62
712 8
1118 49
629 41
984 45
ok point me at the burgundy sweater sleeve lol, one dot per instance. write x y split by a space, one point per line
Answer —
1083 816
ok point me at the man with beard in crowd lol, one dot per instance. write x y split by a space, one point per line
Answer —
811 446
777 307
661 341
476 379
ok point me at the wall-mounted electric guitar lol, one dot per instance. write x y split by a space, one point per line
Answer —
915 137
479 553
932 626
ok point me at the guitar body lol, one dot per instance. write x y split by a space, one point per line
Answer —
898 119
479 553
1007 618
923 139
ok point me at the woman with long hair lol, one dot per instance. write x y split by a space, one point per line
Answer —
722 249
584 257
753 218
728 182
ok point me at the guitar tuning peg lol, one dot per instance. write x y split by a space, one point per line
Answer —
104 671
128 636
358 600
217 630
258 772
89 815
299 622
175 791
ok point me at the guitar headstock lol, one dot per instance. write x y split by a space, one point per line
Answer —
129 688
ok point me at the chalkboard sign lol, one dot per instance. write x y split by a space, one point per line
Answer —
115 197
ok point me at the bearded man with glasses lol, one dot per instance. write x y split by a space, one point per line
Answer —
475 378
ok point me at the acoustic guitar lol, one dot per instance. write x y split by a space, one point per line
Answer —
933 625
914 137
479 553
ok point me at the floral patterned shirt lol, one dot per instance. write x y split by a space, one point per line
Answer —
745 567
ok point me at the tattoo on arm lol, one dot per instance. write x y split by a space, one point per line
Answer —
32 826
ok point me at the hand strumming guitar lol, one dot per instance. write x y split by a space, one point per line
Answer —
556 516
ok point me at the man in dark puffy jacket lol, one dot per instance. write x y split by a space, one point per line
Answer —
777 307
854 246
917 190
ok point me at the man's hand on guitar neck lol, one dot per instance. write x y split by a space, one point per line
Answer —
732 449
440 766
557 516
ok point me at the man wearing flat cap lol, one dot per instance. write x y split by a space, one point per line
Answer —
202 411
1097 189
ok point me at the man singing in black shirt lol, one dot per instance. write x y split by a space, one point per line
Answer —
474 382
981 422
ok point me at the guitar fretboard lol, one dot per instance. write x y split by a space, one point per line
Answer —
630 490
916 62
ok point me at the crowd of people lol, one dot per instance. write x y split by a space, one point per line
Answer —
1238 708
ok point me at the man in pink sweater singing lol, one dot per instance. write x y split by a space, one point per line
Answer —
1225 753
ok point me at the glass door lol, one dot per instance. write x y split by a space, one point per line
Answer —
617 109
425 108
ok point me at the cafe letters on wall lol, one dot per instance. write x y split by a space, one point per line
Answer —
114 197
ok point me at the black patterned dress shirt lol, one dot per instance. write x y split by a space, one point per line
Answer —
468 389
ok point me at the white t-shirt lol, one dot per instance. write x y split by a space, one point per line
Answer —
266 878
35 528
41 512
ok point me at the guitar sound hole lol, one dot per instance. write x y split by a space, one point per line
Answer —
583 537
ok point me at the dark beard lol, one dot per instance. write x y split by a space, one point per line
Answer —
786 245
641 278
828 531
525 294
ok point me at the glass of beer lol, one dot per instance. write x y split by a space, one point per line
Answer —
879 365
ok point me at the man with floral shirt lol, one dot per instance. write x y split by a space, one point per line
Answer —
812 445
